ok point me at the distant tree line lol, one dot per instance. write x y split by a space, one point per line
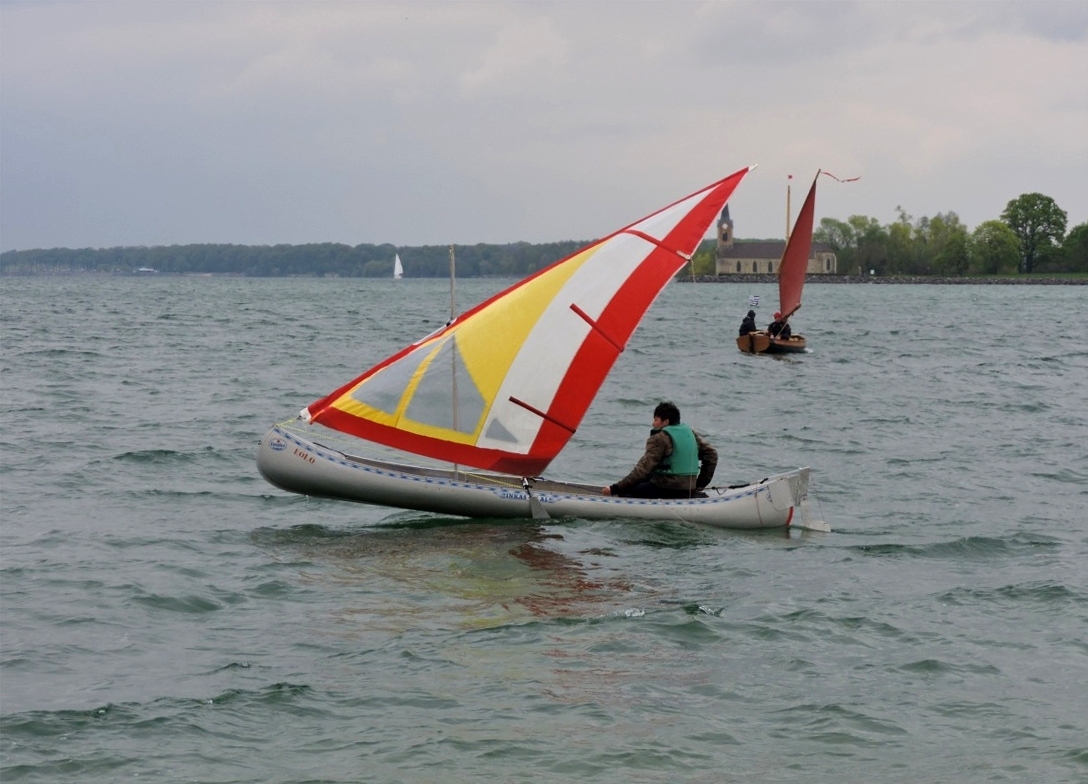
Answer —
1030 237
321 259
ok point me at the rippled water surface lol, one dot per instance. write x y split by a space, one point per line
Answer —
167 615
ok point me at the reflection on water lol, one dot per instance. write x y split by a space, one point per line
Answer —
479 573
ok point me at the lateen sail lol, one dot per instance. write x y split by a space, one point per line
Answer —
505 385
791 272
398 270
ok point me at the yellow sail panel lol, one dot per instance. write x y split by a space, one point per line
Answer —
556 339
491 338
443 388
383 397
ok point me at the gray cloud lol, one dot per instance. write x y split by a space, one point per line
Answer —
414 123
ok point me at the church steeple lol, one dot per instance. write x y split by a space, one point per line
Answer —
725 230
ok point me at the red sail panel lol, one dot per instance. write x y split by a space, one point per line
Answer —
621 317
791 272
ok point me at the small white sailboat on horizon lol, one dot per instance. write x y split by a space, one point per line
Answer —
398 268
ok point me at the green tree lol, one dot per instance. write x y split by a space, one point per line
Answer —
1075 249
954 257
900 244
839 235
871 242
860 243
994 249
946 244
1039 224
703 261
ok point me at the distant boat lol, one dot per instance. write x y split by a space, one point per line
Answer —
791 280
146 269
501 388
398 270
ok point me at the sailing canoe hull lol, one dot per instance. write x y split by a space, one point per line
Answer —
298 465
754 343
762 343
795 344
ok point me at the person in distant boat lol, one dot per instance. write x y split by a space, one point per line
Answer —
779 328
677 463
749 323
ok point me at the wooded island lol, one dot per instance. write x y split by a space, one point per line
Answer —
1029 238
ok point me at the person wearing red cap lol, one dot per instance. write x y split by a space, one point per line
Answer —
779 328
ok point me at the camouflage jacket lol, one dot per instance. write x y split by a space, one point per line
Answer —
658 447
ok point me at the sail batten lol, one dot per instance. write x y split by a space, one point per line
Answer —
658 243
595 326
505 385
542 415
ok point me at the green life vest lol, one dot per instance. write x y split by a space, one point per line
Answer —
684 460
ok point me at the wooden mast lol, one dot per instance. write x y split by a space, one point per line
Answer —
788 182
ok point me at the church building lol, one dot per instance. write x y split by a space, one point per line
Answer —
762 257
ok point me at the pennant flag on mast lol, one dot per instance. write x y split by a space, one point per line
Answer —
836 179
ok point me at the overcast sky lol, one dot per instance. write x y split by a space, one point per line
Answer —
147 123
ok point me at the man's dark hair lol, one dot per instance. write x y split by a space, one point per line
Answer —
668 411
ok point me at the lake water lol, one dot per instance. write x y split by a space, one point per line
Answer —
167 615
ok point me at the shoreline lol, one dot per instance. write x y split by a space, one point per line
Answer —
761 279
893 280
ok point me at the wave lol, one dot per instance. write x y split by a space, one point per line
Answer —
113 717
187 605
173 457
969 547
305 533
187 494
1065 475
60 353
1043 593
838 725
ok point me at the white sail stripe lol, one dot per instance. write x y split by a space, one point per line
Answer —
665 221
539 367
537 370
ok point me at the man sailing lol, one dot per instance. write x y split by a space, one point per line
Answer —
677 463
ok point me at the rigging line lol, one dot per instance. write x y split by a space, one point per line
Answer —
542 415
453 348
658 243
453 286
491 478
596 328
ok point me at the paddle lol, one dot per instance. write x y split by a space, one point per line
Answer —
808 522
535 507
